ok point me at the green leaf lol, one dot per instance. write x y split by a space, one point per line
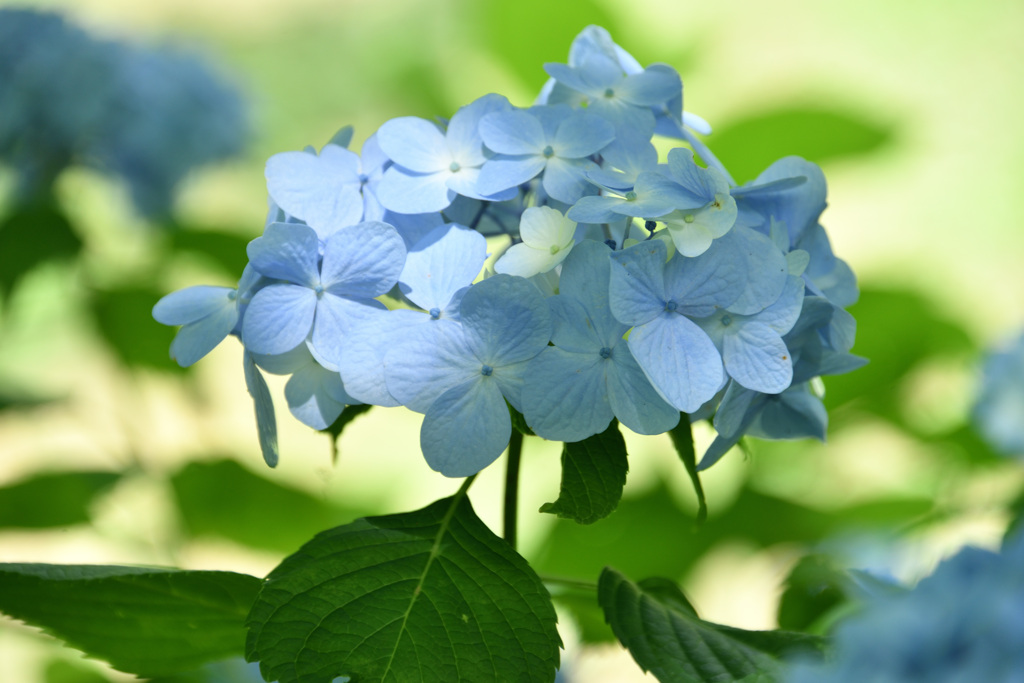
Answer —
750 145
259 513
667 638
63 671
52 499
31 235
148 622
518 421
125 320
225 249
593 474
431 595
682 439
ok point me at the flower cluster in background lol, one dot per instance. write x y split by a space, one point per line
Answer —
146 116
999 408
965 622
632 288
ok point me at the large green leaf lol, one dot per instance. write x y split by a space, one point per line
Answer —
667 638
593 474
52 499
431 595
148 622
259 513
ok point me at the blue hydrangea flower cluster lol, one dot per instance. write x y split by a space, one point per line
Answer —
628 288
145 115
999 408
963 623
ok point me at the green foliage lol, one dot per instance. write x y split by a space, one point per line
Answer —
125 319
31 235
430 595
148 622
63 671
593 475
518 421
750 145
52 499
682 440
658 625
224 249
258 513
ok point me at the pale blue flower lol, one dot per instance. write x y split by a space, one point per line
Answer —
574 388
433 166
315 395
548 237
461 375
322 190
319 297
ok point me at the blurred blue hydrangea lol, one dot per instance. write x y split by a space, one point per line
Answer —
964 623
146 116
999 409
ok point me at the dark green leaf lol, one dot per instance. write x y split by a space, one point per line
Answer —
259 513
682 439
125 319
32 235
144 621
814 587
52 499
430 595
749 146
593 474
225 249
669 640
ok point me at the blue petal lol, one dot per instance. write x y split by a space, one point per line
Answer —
797 413
192 303
463 136
783 314
278 318
466 183
658 84
679 360
764 265
637 283
309 399
704 284
405 191
564 395
595 209
504 172
757 358
336 319
586 275
566 179
266 423
513 132
466 428
416 144
633 399
581 135
362 361
363 261
321 190
287 251
426 361
197 339
447 259
505 319
736 410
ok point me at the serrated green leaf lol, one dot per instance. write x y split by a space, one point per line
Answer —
52 499
145 621
430 595
682 439
675 645
259 513
593 475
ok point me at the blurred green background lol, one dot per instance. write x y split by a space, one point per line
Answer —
911 108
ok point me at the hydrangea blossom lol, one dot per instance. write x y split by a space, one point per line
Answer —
965 622
146 116
628 286
999 409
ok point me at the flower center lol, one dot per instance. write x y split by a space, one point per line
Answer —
232 295
688 218
454 167
435 313
548 152
609 93
631 196
606 353
727 320
670 306
487 371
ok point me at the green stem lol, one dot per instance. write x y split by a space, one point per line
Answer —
682 439
569 583
515 450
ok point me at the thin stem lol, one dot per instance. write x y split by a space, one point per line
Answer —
569 583
515 451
